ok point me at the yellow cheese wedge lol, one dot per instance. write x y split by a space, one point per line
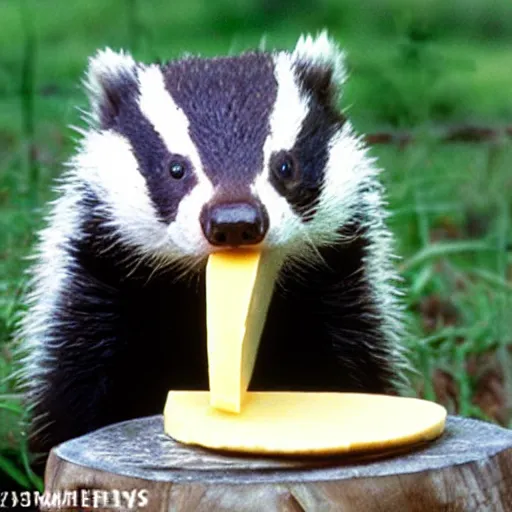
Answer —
239 286
283 423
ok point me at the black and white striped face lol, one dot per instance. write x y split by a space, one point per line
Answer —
199 154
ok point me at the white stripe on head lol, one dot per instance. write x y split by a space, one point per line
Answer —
290 110
172 124
168 120
347 168
290 107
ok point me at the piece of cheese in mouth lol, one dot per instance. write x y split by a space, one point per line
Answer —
239 287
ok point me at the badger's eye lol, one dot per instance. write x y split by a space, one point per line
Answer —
285 168
176 169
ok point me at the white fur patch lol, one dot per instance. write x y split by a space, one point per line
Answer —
347 169
48 278
107 164
348 166
322 51
104 65
185 231
290 110
168 120
383 280
171 123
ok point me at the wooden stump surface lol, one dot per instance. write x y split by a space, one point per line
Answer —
468 468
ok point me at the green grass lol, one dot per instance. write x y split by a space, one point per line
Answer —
452 217
413 64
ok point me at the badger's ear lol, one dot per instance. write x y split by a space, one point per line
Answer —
111 78
320 66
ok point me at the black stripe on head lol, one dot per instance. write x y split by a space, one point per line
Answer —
121 113
311 149
228 102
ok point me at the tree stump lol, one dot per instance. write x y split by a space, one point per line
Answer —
135 466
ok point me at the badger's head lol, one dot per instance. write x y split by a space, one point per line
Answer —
198 154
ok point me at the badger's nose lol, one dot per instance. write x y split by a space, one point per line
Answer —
234 224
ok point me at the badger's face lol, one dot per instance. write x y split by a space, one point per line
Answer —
202 154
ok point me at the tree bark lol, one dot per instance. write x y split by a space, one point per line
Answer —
135 466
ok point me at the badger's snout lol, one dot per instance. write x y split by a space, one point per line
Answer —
234 224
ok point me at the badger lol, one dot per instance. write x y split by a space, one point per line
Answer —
188 157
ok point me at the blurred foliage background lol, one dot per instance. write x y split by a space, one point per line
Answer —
430 82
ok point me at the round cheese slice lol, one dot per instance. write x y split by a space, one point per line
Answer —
315 424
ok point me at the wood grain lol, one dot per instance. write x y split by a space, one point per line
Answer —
468 468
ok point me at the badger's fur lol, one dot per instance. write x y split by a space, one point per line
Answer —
116 315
